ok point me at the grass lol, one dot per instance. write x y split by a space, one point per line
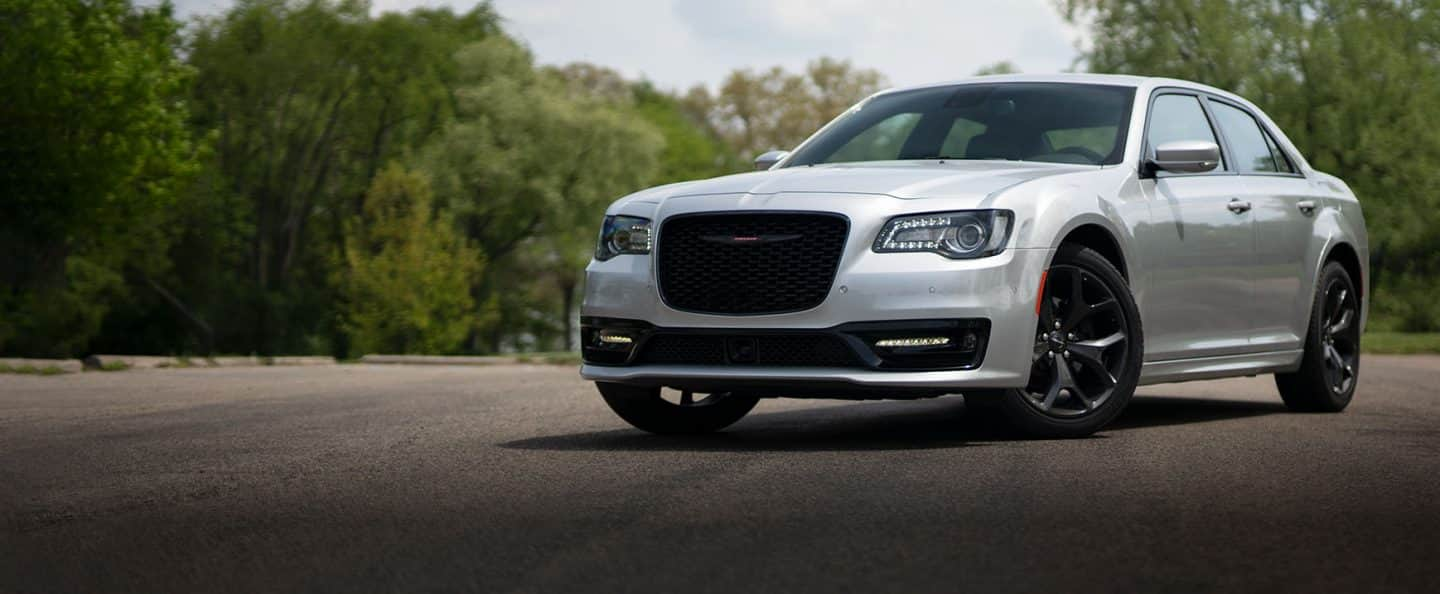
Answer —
1400 343
115 366
31 370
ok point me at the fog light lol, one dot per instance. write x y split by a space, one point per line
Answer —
923 341
612 338
969 341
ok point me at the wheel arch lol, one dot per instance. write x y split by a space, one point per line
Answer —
1349 259
1100 238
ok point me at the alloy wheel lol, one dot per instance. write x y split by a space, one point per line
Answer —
1340 336
1081 346
689 399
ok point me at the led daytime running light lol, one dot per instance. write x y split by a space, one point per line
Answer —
923 341
615 338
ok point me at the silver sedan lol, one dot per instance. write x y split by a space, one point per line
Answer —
1041 245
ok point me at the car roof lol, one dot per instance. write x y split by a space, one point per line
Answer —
1121 80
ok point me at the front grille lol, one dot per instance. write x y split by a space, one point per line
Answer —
751 263
778 350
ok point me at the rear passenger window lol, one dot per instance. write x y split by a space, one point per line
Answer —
1179 117
1282 162
1250 147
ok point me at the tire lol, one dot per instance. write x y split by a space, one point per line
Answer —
644 409
1330 368
1084 370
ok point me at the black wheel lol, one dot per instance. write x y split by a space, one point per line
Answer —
686 414
1330 367
1088 350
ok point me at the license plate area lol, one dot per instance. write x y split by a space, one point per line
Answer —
742 350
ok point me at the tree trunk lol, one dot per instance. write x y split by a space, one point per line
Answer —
567 299
206 334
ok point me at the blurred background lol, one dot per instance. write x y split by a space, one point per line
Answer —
336 178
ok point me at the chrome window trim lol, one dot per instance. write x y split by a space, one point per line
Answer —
1146 149
1264 129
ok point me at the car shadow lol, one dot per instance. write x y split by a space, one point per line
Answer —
1158 411
890 425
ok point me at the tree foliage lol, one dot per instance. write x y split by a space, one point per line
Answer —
528 159
759 111
1001 67
406 277
94 145
693 150
1354 83
306 102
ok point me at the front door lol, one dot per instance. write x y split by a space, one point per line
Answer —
1198 249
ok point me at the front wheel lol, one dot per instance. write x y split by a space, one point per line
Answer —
645 409
1088 350
1330 366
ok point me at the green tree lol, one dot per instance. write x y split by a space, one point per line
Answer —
407 274
775 109
693 150
527 160
94 145
1002 67
306 100
1354 83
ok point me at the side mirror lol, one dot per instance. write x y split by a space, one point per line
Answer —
1187 156
769 159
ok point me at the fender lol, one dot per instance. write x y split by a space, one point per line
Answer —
1124 240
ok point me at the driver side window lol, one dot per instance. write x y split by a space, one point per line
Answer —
1179 117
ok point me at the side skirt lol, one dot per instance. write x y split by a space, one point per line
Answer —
1203 368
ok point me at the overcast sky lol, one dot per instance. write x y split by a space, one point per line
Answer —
677 43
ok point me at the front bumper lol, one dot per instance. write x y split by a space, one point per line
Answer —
916 345
1001 289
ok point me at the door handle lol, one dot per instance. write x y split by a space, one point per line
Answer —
1307 207
1238 206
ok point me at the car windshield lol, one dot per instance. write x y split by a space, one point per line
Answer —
1051 122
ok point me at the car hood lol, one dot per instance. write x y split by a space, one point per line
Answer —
899 179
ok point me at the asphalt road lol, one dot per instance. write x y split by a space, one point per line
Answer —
517 479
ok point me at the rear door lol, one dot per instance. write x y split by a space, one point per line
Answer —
1198 247
1284 210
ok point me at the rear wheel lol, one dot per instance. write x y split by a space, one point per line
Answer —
1088 350
1330 367
685 413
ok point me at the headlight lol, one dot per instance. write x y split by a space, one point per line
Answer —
960 234
623 235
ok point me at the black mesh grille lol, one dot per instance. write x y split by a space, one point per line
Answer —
684 350
782 350
805 351
751 263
